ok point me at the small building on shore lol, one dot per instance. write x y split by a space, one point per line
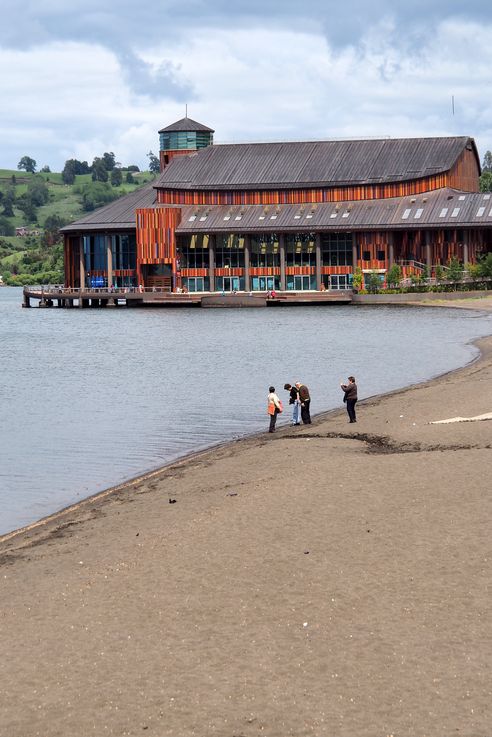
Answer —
291 216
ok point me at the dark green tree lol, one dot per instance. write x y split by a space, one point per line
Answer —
486 182
455 271
38 191
394 275
130 179
109 160
46 169
373 282
487 162
154 164
133 167
27 206
69 171
52 226
116 177
8 203
6 227
27 164
99 171
485 265
95 194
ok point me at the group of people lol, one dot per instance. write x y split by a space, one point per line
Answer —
300 400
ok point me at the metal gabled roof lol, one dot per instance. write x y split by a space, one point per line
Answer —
444 208
186 125
117 215
313 164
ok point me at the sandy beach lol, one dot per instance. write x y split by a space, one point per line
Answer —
326 580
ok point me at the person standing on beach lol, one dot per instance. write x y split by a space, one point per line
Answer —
305 399
350 397
274 408
294 401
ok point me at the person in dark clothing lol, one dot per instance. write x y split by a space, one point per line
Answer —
294 401
305 400
350 397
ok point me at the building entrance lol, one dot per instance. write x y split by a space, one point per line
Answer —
264 283
340 281
301 283
230 284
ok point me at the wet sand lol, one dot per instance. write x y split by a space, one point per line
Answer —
326 580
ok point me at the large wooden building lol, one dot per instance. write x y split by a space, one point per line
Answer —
285 216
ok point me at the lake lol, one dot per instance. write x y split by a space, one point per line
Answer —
92 397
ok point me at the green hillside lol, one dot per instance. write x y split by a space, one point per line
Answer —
42 203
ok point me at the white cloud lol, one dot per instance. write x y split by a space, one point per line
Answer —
69 99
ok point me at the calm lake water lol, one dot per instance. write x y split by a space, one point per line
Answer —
92 397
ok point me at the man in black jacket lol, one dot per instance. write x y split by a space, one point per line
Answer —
305 400
350 397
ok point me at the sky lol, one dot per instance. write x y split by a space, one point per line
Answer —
81 77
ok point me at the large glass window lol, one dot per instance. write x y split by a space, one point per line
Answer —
301 283
229 251
265 283
264 251
229 284
300 250
95 252
196 283
123 247
337 281
193 252
336 249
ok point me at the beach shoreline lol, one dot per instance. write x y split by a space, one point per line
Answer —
129 483
328 579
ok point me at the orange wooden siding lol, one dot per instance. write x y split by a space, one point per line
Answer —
156 241
463 176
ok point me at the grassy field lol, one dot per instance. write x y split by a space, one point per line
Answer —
24 259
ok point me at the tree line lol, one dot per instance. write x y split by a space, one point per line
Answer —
104 168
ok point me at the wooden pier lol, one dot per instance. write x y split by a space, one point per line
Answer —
69 297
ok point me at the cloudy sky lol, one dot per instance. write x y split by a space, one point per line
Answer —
80 77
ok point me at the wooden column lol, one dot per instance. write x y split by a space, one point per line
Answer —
428 257
109 255
391 250
465 247
354 252
247 280
318 261
281 240
211 262
82 271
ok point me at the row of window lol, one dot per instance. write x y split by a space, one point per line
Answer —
264 251
266 283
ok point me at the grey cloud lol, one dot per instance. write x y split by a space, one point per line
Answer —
127 26
149 22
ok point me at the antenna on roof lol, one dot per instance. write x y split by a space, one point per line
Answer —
452 103
186 111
